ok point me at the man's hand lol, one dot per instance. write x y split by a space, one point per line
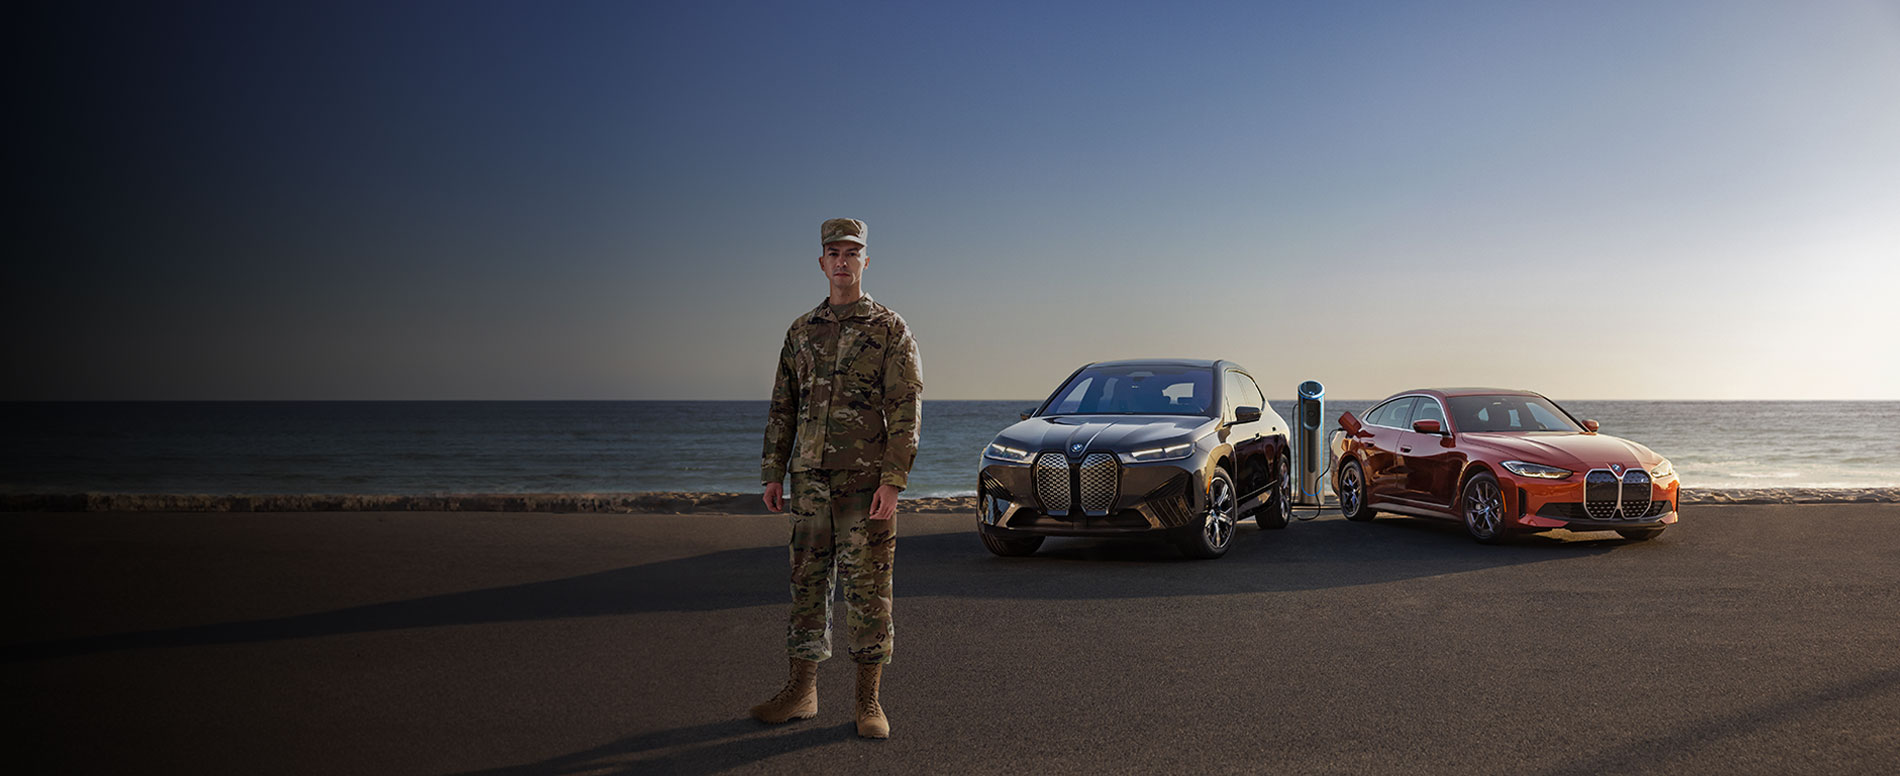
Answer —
884 502
775 496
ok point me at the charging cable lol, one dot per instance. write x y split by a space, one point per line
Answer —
1318 494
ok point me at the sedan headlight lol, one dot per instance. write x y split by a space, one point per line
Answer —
1169 453
1528 469
1002 452
1663 469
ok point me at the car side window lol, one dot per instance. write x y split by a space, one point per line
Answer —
1251 392
1427 409
1230 394
1373 415
1376 415
1393 413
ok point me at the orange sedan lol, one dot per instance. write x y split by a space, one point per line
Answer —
1500 462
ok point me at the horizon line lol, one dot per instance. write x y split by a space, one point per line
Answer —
577 401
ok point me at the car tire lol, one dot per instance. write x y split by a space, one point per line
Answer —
1640 534
1482 507
1279 507
1352 492
1213 531
1011 548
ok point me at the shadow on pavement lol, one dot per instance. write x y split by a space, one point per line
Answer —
697 749
1308 556
1656 752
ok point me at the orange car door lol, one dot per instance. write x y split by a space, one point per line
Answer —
1431 461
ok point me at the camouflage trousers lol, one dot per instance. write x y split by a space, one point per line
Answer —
833 535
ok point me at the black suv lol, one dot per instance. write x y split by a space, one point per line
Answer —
1182 448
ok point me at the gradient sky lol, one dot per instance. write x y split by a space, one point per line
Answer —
460 200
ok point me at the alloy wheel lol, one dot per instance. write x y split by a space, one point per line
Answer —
1484 508
1349 494
1286 490
1218 525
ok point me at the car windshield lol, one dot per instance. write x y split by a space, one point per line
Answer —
1509 412
1135 390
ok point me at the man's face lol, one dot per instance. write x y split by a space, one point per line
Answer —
843 263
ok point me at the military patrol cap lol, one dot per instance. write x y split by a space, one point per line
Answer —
845 230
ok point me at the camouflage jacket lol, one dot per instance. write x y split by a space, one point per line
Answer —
848 395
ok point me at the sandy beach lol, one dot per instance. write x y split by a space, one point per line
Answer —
1748 639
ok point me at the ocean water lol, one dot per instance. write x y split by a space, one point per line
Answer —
619 446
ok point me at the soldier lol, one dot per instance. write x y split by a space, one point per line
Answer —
844 421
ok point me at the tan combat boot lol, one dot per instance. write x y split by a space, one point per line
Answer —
799 699
871 721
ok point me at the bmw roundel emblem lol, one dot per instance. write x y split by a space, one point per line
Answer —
1075 448
1616 468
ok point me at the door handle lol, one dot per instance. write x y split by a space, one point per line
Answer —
1403 449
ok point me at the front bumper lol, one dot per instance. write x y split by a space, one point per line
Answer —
1534 504
1149 497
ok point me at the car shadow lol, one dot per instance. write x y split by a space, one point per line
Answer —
1308 556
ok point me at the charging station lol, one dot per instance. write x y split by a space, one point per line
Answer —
1309 443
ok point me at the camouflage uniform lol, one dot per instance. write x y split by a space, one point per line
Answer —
844 420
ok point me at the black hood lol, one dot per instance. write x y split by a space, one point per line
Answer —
1101 433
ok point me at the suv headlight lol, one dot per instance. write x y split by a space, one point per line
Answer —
1002 452
1663 469
1169 453
1528 469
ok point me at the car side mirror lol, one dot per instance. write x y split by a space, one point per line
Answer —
1028 413
1428 427
1246 414
1349 423
1590 426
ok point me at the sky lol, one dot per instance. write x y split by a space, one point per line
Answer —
485 200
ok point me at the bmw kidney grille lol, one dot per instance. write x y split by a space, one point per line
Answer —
1607 498
1635 493
1090 485
1600 494
1052 482
1099 480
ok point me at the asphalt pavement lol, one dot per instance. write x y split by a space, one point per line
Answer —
1747 639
